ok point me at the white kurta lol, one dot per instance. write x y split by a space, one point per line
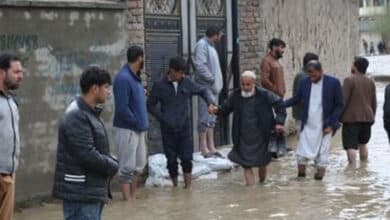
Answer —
313 145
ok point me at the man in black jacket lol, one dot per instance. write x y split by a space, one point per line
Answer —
174 93
253 111
84 166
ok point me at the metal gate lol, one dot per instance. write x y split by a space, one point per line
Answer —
172 28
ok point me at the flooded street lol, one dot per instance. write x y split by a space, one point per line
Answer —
360 192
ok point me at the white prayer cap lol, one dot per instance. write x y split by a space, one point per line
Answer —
249 74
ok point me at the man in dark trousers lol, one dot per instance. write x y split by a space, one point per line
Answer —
174 93
84 165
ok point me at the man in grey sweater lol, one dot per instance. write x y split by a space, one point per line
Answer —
208 74
11 75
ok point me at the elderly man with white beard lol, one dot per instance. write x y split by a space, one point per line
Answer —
253 122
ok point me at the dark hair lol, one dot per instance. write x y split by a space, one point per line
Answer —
93 75
133 53
275 42
361 64
177 63
313 64
308 57
6 59
212 31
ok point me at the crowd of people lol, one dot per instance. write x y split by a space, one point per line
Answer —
381 47
85 167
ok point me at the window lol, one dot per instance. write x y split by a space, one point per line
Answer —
112 4
379 2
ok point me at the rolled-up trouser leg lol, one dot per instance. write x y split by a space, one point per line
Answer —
203 116
282 144
131 153
273 144
206 120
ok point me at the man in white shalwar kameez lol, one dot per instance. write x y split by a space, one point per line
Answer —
323 104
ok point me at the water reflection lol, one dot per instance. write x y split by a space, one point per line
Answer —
347 192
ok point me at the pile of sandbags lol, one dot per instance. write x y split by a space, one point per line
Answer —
203 168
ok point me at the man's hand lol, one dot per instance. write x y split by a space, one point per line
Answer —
328 130
213 109
146 91
279 128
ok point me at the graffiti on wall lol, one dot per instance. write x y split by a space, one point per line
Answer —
28 42
58 68
62 69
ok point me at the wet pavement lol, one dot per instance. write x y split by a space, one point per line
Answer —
347 192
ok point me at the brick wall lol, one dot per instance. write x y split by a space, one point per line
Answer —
328 28
135 14
249 28
136 28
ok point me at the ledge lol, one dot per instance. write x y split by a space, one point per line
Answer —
88 4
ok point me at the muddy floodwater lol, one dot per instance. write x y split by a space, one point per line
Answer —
358 192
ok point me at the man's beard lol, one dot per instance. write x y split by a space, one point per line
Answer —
245 94
141 65
10 85
279 55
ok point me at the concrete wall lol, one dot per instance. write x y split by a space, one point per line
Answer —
328 28
56 44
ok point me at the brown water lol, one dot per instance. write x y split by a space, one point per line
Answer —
359 192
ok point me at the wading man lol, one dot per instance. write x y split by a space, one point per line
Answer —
297 109
253 111
359 110
174 93
322 99
130 122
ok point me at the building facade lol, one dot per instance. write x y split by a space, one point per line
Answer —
58 39
370 11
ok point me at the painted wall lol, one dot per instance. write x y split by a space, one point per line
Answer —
55 46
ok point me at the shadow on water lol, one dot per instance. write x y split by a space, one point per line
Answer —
347 192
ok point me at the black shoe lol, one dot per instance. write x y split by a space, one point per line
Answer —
274 155
318 177
217 154
206 156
